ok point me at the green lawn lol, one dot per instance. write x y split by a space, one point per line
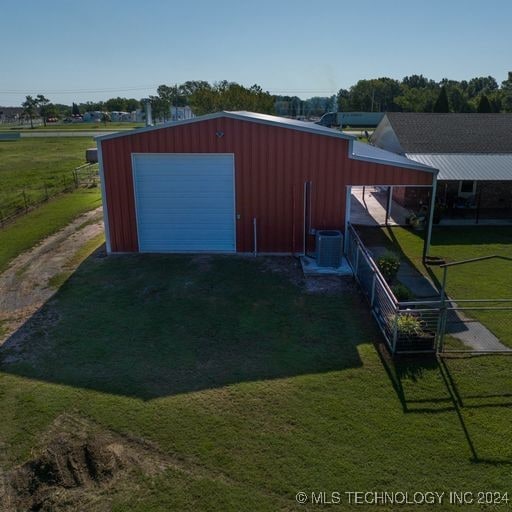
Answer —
38 166
28 230
253 389
490 279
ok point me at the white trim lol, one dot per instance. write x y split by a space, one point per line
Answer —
104 200
281 122
186 154
135 205
467 194
403 165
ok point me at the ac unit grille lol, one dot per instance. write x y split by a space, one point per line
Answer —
329 245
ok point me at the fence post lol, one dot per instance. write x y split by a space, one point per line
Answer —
373 289
395 331
443 313
356 266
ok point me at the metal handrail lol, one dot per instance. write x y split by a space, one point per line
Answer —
373 265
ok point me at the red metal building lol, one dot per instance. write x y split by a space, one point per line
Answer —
236 182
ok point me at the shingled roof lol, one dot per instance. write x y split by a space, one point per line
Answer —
452 133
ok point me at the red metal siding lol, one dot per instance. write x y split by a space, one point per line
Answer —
271 166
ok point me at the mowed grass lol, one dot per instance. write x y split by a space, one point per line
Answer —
38 166
489 279
28 230
257 389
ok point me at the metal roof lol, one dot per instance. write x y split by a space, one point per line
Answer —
369 153
467 166
358 150
282 122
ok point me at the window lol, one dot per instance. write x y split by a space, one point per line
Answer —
467 188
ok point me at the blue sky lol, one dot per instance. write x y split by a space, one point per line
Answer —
91 50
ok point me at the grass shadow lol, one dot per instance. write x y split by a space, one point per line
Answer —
416 397
155 325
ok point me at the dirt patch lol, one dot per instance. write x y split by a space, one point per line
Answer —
323 284
25 285
77 463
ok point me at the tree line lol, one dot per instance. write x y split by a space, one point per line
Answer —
414 93
417 93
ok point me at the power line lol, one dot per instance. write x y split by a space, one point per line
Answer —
146 87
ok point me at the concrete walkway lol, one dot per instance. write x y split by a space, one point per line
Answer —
369 208
422 287
472 333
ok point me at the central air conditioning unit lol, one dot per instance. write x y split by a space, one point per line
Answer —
329 248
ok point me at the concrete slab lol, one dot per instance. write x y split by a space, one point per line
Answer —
310 267
369 208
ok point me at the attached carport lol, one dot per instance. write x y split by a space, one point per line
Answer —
372 153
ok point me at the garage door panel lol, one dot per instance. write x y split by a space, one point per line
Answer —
185 203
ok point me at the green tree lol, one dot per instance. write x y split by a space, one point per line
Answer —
441 105
376 95
484 106
506 93
343 100
75 111
481 85
416 99
43 107
30 109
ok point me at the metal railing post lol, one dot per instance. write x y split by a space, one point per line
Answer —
395 332
356 266
373 289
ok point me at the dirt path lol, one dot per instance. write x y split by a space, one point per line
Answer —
25 285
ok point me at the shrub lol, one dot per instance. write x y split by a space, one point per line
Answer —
389 264
401 292
409 325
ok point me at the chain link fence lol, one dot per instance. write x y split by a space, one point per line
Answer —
29 198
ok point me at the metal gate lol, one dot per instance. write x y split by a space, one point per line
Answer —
477 327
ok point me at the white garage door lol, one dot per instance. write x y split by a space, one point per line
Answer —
185 203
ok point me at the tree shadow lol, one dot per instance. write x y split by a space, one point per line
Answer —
148 326
447 398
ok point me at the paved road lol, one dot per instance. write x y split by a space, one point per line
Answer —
65 133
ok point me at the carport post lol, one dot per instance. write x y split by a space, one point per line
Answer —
389 202
348 198
428 238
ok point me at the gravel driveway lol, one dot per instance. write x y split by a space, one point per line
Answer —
24 286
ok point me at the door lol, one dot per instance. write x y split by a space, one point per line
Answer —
185 202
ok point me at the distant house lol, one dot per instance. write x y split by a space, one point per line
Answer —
92 117
473 153
119 117
10 114
181 113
